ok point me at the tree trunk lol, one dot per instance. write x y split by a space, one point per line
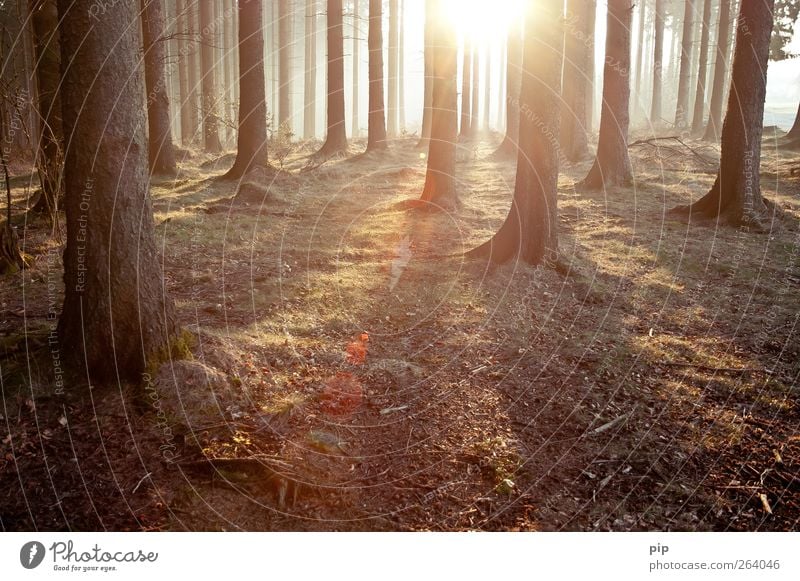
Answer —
658 64
117 318
401 76
336 140
376 138
700 94
284 66
356 65
49 156
720 71
440 186
232 61
252 139
394 41
612 166
188 113
161 152
209 84
573 139
685 76
428 56
466 91
590 71
487 85
530 232
508 148
475 115
794 132
641 55
310 84
736 194
194 96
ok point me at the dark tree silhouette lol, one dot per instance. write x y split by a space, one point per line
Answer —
658 64
508 147
612 166
530 232
720 72
162 154
440 186
573 138
284 64
735 196
700 95
252 139
466 90
336 139
208 83
117 317
685 74
428 56
310 84
376 138
44 14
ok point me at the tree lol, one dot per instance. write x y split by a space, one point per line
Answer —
162 154
284 65
700 95
487 86
208 83
428 58
786 14
530 231
394 62
188 107
658 65
310 84
735 197
508 147
117 318
401 65
641 56
685 74
466 90
336 139
573 139
612 166
440 186
356 65
376 138
252 139
720 71
49 155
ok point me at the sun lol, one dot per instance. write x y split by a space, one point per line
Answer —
483 21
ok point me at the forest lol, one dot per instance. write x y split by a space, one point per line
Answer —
399 265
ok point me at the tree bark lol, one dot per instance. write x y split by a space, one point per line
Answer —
310 84
161 153
714 125
401 64
252 138
573 138
475 115
685 74
530 232
641 55
794 132
658 64
698 116
612 166
440 187
735 196
376 138
487 86
117 318
508 147
336 140
188 113
49 156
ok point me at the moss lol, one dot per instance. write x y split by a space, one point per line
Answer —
179 348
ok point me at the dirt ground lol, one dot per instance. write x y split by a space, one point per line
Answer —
364 376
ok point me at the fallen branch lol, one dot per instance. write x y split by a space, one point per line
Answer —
652 141
710 369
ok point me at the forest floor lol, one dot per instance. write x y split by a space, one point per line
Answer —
366 377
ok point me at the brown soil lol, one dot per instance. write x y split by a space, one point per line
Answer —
387 384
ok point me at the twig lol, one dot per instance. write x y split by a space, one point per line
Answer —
145 477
